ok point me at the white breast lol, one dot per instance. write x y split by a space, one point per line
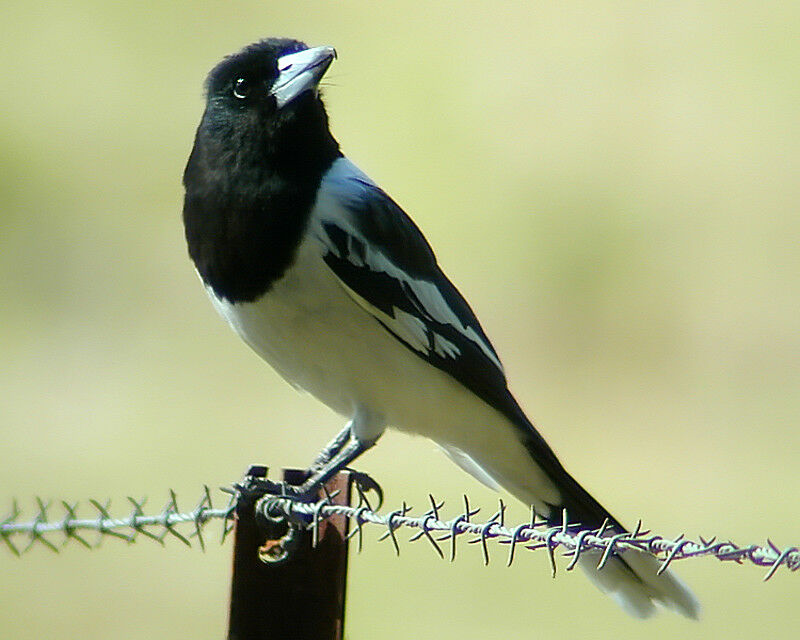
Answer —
317 337
307 329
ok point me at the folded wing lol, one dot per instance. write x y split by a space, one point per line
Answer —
385 264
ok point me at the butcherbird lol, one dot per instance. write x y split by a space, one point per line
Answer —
330 282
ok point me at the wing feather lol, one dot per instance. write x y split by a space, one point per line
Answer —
385 264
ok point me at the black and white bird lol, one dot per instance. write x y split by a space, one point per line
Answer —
330 282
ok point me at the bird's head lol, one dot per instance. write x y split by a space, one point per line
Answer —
263 106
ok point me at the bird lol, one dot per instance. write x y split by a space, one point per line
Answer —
329 281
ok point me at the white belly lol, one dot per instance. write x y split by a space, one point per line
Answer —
317 338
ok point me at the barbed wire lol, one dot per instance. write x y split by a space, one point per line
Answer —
155 527
534 534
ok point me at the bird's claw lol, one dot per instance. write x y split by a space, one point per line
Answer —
310 491
300 493
365 483
254 487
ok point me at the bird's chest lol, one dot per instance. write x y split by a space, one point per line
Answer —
243 236
302 326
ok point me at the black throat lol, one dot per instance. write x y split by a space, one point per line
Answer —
249 193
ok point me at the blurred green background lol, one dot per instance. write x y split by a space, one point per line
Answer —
614 186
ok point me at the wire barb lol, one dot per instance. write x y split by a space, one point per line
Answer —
155 527
566 536
432 525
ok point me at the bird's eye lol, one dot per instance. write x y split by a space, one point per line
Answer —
241 88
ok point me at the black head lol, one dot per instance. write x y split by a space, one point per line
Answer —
259 155
263 106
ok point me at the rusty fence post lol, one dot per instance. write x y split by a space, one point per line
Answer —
301 597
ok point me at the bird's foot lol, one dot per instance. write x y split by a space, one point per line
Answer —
363 484
306 492
255 485
313 488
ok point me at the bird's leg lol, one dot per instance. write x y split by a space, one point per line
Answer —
347 453
256 484
331 449
347 448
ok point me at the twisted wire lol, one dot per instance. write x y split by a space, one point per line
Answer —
533 535
156 526
567 537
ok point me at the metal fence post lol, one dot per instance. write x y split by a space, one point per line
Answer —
301 597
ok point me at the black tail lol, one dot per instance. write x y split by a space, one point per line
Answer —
631 577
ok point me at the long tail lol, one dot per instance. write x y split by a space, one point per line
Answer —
629 577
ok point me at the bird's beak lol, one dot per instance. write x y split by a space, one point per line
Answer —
300 72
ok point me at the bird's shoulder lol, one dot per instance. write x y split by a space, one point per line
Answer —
350 205
388 267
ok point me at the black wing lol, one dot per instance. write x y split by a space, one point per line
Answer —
387 266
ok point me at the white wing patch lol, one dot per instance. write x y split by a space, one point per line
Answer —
436 306
407 326
412 329
415 326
